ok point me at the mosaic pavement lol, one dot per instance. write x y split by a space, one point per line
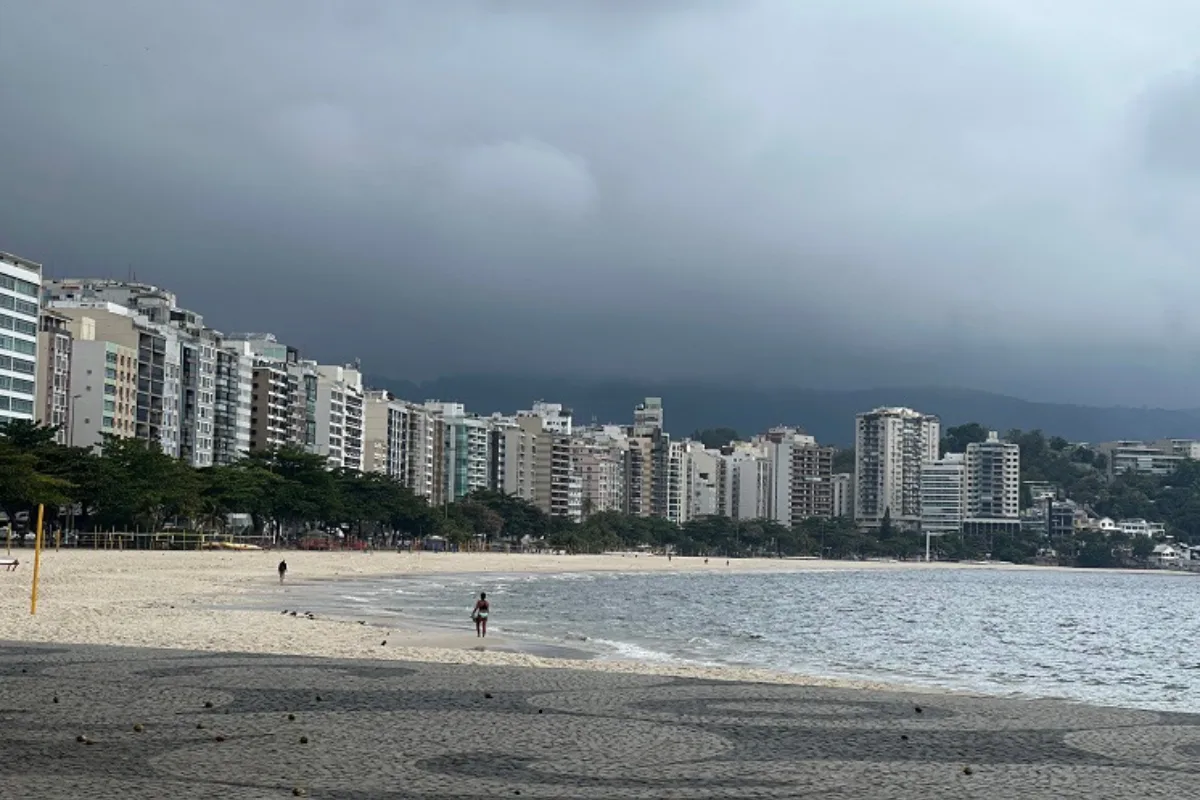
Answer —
118 723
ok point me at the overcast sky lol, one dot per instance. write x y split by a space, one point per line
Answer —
1002 194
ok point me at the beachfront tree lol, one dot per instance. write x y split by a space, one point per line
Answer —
138 485
23 487
303 491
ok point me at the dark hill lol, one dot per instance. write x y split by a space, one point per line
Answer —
828 415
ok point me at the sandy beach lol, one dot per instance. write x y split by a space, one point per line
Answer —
235 705
203 600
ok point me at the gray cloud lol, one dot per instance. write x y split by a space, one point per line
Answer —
978 193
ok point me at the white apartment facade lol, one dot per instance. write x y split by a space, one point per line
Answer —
891 445
679 468
944 495
842 491
746 484
20 310
993 470
339 416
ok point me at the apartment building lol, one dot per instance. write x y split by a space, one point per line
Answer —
599 457
1143 458
270 405
510 457
555 486
648 417
339 416
891 445
944 494
355 427
383 433
421 452
842 486
198 391
104 390
648 463
679 467
703 481
463 452
20 309
647 471
993 470
802 473
745 482
1184 448
176 359
53 405
156 365
233 390
302 383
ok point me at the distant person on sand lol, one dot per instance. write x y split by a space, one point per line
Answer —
480 615
282 570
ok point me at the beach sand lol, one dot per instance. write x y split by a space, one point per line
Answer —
190 600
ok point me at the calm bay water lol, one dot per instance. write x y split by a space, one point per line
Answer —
1117 639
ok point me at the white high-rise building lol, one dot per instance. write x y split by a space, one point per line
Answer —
842 484
679 468
20 307
891 445
993 470
746 482
944 494
339 416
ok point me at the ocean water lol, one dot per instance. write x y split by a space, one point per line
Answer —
1109 638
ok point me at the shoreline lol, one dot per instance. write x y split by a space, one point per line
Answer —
220 601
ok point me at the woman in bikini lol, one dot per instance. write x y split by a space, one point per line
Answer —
480 614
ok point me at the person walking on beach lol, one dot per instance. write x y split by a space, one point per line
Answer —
282 570
480 615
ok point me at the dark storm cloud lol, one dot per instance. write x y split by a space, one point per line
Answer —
970 192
